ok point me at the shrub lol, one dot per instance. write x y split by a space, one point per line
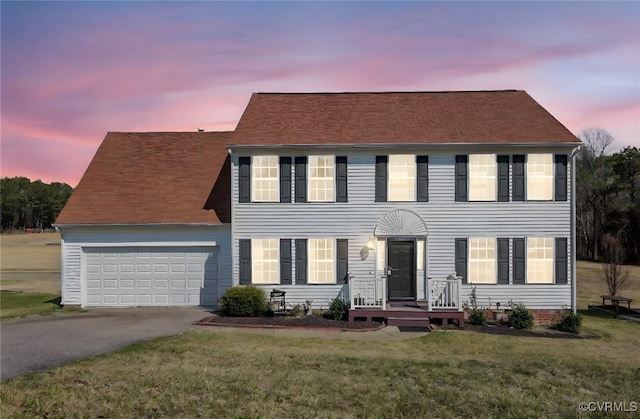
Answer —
296 311
567 321
337 309
243 301
520 317
478 317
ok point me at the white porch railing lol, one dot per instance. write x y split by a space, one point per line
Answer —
368 293
445 294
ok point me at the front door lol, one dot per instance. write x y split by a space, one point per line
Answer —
402 262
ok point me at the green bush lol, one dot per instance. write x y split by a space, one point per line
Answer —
337 309
567 321
243 301
478 317
520 317
296 311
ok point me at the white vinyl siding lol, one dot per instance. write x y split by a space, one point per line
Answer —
265 267
482 177
540 260
265 179
321 179
539 177
482 261
402 177
322 261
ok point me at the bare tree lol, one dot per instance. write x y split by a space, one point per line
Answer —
596 140
614 276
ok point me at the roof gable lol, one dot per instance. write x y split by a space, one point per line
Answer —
496 117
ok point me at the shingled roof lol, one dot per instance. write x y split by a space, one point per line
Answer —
154 177
502 117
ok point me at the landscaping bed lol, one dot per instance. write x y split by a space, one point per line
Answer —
307 322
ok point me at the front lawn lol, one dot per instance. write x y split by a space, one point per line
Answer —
19 304
444 374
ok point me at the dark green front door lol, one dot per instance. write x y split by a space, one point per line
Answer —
401 282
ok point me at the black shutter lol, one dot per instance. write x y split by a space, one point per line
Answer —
244 179
561 260
301 179
301 261
422 163
381 178
561 177
519 264
461 178
503 261
461 259
503 178
341 179
285 261
245 261
285 179
518 178
343 261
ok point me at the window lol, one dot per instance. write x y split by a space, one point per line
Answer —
539 177
322 261
321 178
265 181
402 177
482 261
420 256
264 261
380 256
482 177
540 260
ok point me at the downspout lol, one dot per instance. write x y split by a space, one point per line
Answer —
574 288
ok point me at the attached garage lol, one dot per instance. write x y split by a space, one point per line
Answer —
151 276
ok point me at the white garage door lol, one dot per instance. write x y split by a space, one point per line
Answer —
153 276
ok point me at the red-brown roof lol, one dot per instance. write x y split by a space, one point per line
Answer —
503 117
154 177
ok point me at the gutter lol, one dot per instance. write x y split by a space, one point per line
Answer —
402 146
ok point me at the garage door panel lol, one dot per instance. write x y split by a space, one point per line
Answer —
149 276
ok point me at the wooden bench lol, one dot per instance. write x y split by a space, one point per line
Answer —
615 301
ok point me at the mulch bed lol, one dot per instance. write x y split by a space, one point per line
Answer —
281 322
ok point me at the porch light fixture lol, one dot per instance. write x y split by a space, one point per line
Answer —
370 244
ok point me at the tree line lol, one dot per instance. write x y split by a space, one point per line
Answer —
607 201
31 205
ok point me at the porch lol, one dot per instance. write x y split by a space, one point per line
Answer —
368 301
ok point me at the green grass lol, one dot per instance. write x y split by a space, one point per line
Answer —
444 374
17 304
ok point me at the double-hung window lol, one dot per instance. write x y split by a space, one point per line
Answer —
322 261
482 260
265 261
482 177
402 177
539 177
321 179
264 179
540 260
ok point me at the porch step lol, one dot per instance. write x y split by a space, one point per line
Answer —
407 321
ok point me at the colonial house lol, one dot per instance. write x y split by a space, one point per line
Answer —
410 198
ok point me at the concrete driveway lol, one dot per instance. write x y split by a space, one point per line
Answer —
38 343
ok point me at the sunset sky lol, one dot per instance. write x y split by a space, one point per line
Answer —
71 71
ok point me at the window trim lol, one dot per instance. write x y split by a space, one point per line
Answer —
528 260
332 159
493 159
552 178
310 261
414 180
255 178
276 240
495 261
